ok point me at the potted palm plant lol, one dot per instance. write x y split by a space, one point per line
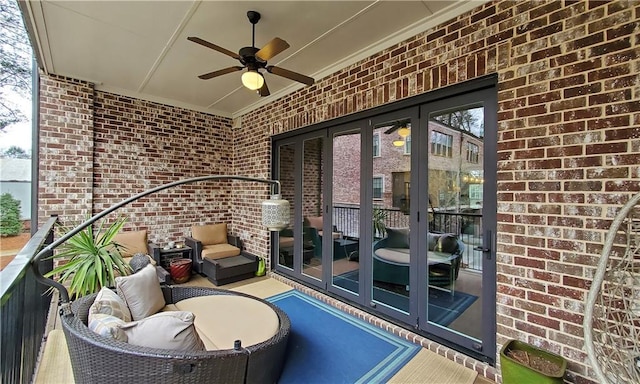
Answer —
93 259
379 217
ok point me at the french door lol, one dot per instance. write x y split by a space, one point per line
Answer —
396 213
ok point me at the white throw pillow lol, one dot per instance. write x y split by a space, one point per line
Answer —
108 326
141 291
108 302
165 330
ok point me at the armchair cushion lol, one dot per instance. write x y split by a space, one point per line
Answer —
210 234
219 251
131 242
317 223
286 242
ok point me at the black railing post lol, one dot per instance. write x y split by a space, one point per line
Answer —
23 310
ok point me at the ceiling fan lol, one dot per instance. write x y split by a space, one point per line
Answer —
254 59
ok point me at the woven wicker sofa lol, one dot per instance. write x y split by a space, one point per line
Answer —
97 359
391 258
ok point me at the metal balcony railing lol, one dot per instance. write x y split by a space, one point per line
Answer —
23 310
466 225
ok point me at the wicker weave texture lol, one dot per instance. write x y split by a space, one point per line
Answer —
612 311
96 359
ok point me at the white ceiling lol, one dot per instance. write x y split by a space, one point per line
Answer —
140 48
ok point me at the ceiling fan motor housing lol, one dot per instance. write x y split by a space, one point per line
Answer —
253 16
250 59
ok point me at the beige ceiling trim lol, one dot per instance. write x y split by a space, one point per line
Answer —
446 14
161 100
42 48
172 40
237 89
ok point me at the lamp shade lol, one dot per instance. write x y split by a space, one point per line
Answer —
275 213
404 132
252 80
398 143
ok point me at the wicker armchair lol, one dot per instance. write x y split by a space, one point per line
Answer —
96 359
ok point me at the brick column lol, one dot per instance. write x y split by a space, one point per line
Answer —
66 149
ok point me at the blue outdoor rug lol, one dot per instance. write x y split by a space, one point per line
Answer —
443 308
330 346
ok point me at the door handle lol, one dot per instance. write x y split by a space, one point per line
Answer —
487 239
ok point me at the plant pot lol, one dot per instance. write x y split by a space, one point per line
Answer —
180 270
517 371
262 269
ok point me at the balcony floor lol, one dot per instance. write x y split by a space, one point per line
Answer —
55 366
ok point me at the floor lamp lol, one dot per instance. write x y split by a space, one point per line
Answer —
275 216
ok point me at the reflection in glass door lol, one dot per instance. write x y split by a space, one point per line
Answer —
391 248
397 212
312 207
286 170
345 193
455 177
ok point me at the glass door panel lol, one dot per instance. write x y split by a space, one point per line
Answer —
345 188
391 247
286 175
455 177
312 208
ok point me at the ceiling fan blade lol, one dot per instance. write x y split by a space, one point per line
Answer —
290 75
391 130
264 91
272 48
214 47
220 72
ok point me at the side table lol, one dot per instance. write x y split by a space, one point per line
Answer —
342 248
163 256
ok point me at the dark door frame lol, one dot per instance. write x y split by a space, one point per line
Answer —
486 87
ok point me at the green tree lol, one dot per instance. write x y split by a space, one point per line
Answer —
15 63
15 152
10 223
468 120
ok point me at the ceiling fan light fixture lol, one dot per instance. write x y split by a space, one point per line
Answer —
398 143
404 132
252 80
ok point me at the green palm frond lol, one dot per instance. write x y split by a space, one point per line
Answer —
379 217
93 259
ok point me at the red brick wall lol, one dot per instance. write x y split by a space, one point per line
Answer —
567 123
65 180
97 149
141 145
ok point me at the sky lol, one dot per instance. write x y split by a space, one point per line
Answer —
18 134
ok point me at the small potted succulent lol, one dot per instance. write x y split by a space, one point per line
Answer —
90 259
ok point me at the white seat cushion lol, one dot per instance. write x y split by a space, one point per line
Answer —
394 255
222 319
